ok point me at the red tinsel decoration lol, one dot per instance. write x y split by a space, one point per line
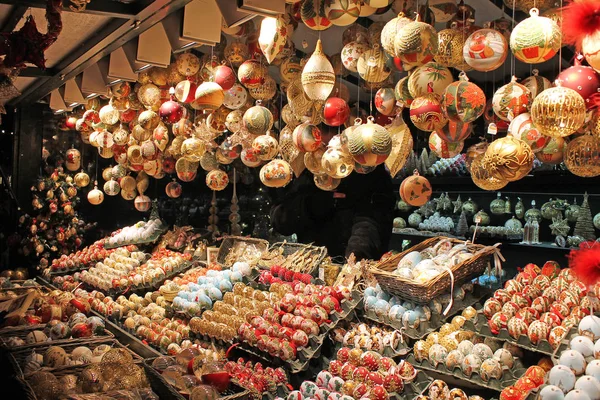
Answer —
28 45
585 262
580 19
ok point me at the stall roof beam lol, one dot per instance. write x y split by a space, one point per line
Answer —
105 8
16 14
114 35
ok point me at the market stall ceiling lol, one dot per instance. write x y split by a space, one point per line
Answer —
80 27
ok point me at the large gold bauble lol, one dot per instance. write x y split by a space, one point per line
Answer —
128 183
450 49
192 149
558 111
318 77
81 179
508 159
535 39
372 65
416 43
474 151
582 157
369 144
336 163
431 77
276 173
209 96
482 178
388 33
258 120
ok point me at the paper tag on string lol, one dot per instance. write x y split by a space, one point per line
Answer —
492 129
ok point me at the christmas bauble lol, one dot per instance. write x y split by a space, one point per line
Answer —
402 144
508 159
266 147
443 148
337 163
582 157
318 77
209 96
192 149
533 137
454 132
326 182
553 151
185 91
187 64
511 100
584 80
429 78
402 93
233 120
313 15
142 203
264 92
482 177
149 94
120 136
250 158
95 196
485 50
173 189
535 39
236 53
148 120
224 76
450 48
109 115
463 101
170 112
536 84
112 188
312 161
369 144
252 74
307 137
372 65
558 111
128 183
81 179
236 97
258 120
426 112
217 179
186 170
73 159
297 99
415 190
276 173
416 43
385 101
388 33
336 111
351 53
342 12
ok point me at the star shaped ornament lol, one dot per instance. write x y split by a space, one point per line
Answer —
560 226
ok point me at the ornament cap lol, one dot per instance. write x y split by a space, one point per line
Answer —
319 47
534 12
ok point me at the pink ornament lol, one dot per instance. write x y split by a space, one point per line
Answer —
224 76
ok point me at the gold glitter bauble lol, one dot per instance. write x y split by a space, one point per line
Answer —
81 179
482 178
508 159
582 157
264 92
558 111
192 149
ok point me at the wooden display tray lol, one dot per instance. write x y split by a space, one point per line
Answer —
22 332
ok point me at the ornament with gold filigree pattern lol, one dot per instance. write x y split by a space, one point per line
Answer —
416 43
508 159
372 65
426 112
582 157
511 100
450 48
369 144
558 111
482 177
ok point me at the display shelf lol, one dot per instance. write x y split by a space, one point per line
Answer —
437 320
509 377
23 331
481 327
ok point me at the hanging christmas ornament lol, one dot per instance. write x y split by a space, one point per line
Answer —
402 93
530 135
276 173
171 111
185 91
266 147
485 50
209 96
351 53
582 157
326 182
73 159
336 111
474 151
431 77
142 203
581 27
454 132
372 65
81 179
307 137
426 113
264 92
252 73
95 196
313 159
342 12
318 77
148 95
508 159
443 148
583 79
192 149
369 144
112 187
415 190
258 119
482 177
187 64
558 111
217 180
463 101
451 42
313 15
536 83
535 39
553 152
273 36
109 115
236 53
511 100
337 163
416 43
173 189
402 144
236 97
389 31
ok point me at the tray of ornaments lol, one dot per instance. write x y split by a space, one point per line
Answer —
295 257
51 356
378 338
417 321
139 234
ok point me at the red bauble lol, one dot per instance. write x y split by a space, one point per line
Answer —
70 123
170 112
583 79
336 111
127 116
81 330
91 116
224 76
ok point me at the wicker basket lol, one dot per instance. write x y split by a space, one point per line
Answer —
235 242
18 358
423 293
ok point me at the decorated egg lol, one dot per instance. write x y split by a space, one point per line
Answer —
490 369
471 363
562 377
573 360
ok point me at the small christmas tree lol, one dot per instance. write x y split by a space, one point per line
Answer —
584 226
463 226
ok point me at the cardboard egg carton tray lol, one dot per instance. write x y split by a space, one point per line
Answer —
313 348
482 328
436 321
509 377
401 350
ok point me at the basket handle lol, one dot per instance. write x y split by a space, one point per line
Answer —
449 306
498 259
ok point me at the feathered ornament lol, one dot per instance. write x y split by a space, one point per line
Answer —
581 28
585 262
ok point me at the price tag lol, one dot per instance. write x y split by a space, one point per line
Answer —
322 273
492 129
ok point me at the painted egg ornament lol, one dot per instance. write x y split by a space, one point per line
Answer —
437 354
490 369
511 100
471 363
318 76
454 359
485 50
429 78
463 101
590 327
538 331
535 39
443 148
416 43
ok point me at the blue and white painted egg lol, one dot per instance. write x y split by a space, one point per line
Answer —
589 385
